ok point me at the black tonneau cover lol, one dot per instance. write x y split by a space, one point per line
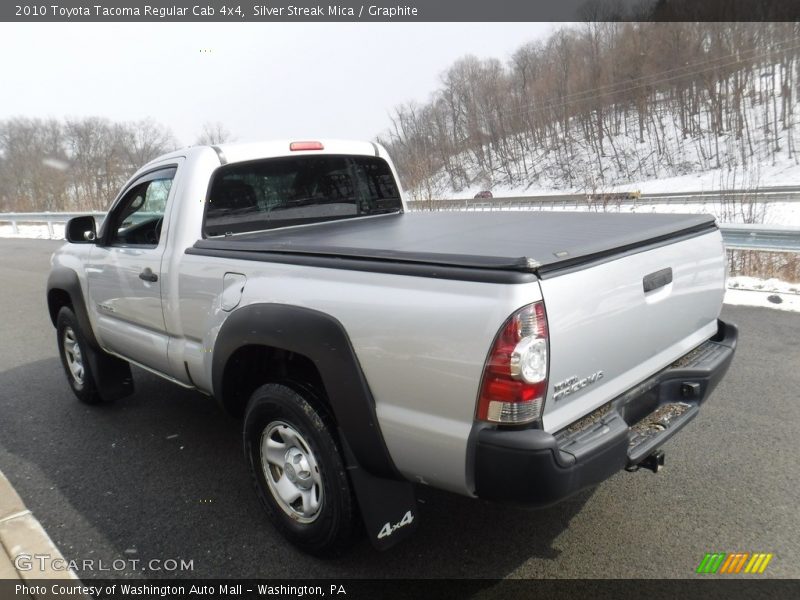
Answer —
529 241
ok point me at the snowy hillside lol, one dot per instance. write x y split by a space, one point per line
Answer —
677 164
651 107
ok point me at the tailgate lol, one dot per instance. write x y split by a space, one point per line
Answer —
607 333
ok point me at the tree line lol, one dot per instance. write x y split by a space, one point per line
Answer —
78 164
603 103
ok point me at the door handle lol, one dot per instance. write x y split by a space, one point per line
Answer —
657 280
148 275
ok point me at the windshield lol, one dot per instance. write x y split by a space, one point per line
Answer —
296 190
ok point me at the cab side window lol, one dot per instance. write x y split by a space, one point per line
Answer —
138 217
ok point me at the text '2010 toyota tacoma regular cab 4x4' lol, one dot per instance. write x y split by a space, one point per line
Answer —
512 356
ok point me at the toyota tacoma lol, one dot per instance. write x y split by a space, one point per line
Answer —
512 356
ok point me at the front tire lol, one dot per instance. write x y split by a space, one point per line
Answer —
74 353
298 471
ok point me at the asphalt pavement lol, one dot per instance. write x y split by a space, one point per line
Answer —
160 475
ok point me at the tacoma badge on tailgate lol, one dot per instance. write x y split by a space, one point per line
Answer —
571 385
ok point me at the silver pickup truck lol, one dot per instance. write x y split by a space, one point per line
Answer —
511 356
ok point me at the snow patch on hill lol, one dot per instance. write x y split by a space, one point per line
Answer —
785 172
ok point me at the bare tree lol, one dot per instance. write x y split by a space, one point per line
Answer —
32 173
145 140
78 164
213 133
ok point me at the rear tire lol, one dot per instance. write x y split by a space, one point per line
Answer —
74 352
298 471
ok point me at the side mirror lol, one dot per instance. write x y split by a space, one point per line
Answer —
81 230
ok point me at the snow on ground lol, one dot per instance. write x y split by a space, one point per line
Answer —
767 293
32 231
784 172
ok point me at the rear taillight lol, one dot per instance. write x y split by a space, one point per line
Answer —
295 146
514 380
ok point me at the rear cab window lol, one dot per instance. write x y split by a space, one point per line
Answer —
298 190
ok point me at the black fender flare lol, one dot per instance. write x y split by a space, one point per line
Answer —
64 279
322 339
112 375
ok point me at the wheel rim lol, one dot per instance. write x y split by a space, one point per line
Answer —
292 471
72 351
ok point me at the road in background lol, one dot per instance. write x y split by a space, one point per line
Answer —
160 475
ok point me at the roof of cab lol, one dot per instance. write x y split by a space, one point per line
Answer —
240 152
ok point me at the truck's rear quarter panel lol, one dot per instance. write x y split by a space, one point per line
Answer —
421 341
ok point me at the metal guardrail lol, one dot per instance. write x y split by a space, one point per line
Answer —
48 218
583 201
774 238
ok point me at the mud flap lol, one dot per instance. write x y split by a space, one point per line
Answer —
388 506
112 375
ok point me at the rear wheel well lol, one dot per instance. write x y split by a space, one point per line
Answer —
56 300
250 367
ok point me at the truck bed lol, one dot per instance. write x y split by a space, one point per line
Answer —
527 242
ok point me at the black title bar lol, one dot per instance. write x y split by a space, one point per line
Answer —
401 11
699 587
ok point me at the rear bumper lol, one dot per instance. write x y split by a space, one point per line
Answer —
537 468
